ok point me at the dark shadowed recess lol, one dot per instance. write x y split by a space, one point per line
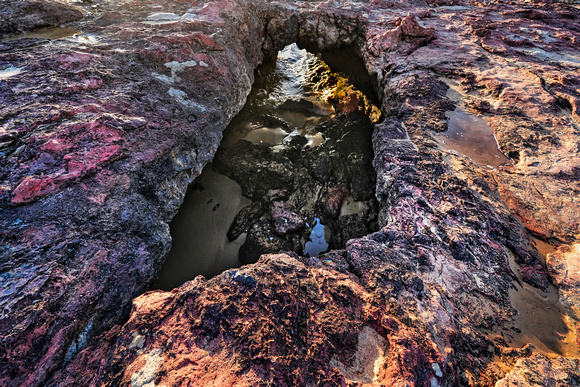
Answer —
293 172
346 60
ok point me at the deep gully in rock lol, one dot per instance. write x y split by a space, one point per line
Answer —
293 171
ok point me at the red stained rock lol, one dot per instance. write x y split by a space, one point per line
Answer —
411 28
298 338
34 187
83 163
385 41
336 196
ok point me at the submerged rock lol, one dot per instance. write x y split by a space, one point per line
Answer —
285 219
262 238
244 220
101 133
298 183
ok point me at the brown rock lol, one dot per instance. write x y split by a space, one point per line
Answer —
25 15
298 338
539 370
564 267
411 28
285 219
244 220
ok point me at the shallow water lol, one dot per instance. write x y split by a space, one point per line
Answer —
542 320
473 137
318 242
285 105
350 207
544 248
47 33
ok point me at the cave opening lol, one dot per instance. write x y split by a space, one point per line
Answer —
293 172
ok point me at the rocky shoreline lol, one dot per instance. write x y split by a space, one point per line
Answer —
102 132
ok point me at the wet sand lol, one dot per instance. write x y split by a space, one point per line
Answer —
200 245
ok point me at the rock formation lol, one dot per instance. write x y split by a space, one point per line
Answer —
102 132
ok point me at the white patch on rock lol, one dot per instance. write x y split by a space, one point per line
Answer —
479 282
370 355
145 376
163 78
162 18
168 17
182 98
9 72
138 341
565 58
177 67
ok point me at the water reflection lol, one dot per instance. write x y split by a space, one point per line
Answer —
473 137
318 240
541 320
286 105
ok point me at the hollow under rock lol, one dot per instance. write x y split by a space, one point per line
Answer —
293 173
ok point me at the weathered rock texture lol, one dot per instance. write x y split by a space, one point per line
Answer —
101 137
101 133
25 15
564 266
538 370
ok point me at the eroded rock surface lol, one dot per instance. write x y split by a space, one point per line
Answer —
26 15
101 133
564 267
539 370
